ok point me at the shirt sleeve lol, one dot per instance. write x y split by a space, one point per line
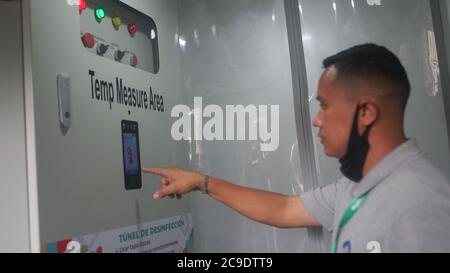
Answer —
320 203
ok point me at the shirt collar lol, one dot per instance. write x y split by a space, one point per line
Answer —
386 166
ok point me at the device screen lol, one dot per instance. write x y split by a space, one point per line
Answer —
131 156
131 161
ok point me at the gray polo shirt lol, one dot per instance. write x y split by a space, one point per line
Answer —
407 209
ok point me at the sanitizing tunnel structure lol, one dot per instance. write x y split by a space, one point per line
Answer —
87 95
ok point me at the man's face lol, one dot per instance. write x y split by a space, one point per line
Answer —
130 155
335 116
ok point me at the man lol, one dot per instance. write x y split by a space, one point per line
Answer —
129 155
391 198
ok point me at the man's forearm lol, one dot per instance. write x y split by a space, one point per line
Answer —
261 206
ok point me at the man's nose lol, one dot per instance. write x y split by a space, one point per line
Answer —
317 122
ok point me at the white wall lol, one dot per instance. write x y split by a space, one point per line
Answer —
14 235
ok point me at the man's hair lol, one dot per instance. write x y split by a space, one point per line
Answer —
373 65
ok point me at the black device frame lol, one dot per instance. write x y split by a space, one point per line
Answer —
132 182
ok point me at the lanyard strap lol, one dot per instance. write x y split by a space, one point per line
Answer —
351 210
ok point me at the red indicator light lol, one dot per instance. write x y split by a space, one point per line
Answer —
82 5
88 40
132 28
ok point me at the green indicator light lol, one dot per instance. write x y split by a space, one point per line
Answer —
99 14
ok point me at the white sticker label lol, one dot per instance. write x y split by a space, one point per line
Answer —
173 234
374 2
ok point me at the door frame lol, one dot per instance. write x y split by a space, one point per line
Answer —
302 110
441 25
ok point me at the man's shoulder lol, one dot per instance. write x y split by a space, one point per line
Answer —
342 184
416 190
417 180
418 172
415 169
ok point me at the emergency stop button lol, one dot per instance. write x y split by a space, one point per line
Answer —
88 40
132 29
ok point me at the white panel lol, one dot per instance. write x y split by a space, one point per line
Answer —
80 170
14 235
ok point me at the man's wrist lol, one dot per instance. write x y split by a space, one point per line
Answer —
206 184
200 181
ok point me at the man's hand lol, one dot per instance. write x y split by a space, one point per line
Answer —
262 206
175 181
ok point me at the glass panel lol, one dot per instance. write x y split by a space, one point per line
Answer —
331 26
236 53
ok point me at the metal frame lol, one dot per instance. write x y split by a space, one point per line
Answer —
441 25
33 207
301 108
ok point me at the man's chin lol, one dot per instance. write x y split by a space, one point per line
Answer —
331 154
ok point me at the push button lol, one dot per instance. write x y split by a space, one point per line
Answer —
88 40
132 29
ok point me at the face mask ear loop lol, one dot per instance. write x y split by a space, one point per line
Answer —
367 131
355 125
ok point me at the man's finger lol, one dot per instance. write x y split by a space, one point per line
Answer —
163 182
164 172
169 190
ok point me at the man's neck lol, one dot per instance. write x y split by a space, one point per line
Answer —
380 149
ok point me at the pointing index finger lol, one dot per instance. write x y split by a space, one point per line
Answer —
164 172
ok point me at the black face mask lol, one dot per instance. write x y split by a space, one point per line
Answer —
358 146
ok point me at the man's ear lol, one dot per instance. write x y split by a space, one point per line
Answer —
369 113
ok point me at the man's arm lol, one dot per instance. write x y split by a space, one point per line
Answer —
261 206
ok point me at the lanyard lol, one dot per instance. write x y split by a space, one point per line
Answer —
351 210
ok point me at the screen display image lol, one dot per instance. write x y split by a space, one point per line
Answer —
131 155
